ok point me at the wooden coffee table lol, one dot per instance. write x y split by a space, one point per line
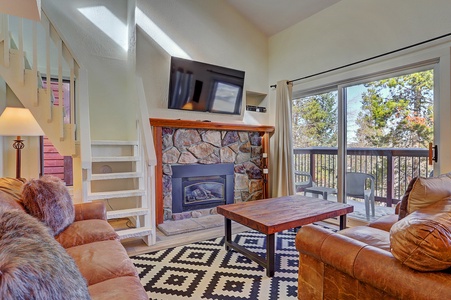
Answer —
270 216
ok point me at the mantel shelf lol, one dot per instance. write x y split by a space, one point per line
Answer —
177 123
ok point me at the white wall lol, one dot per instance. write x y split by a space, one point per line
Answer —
352 30
208 31
112 110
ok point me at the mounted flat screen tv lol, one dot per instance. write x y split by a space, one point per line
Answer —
203 87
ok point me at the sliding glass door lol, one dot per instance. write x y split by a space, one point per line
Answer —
365 139
388 125
315 134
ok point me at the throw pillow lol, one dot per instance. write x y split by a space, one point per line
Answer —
403 206
48 200
423 192
32 264
422 240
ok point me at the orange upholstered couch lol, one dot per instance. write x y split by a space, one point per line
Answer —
94 246
391 258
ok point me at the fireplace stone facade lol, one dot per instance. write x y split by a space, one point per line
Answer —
199 146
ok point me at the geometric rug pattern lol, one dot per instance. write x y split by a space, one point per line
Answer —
205 270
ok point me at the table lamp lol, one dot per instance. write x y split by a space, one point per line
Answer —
18 122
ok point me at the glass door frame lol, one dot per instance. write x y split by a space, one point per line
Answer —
342 114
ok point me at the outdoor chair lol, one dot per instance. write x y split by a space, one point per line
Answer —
305 181
356 184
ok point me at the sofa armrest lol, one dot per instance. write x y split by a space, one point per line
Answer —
371 265
90 210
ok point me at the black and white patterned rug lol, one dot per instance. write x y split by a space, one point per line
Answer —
205 270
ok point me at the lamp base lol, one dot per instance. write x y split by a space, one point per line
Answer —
18 145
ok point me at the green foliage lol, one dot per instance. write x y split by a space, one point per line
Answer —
397 112
315 121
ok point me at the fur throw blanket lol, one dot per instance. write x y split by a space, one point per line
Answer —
33 265
48 200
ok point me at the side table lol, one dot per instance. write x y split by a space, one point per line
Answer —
320 190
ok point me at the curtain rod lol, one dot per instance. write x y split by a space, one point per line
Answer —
367 59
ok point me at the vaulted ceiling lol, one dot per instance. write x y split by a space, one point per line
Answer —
273 16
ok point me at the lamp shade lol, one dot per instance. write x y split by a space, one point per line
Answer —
16 121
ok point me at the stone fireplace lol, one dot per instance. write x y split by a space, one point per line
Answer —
205 146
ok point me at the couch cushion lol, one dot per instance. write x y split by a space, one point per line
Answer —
385 222
12 187
131 289
422 240
11 193
404 200
100 261
48 200
369 235
85 232
423 192
32 264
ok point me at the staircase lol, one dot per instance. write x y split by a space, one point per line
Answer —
120 173
20 71
118 179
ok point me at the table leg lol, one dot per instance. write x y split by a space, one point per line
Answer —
270 255
228 233
342 222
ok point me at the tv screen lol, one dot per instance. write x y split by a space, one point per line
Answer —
203 87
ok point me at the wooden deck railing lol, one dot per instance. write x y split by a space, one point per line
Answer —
392 167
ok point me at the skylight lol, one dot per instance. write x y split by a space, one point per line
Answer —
158 35
106 21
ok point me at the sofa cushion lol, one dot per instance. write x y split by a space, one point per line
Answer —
422 240
100 261
403 205
369 235
11 193
84 232
131 289
12 187
32 264
423 192
48 200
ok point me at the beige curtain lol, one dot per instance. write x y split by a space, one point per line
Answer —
282 177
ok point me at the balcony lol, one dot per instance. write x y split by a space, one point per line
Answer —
392 168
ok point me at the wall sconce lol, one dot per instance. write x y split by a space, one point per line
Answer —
18 122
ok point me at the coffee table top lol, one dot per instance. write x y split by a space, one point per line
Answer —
273 215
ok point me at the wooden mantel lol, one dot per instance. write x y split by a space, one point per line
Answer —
177 123
158 124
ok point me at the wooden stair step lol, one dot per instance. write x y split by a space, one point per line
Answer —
123 213
121 175
114 158
113 143
134 232
115 194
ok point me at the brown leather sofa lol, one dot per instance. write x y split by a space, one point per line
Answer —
94 246
388 259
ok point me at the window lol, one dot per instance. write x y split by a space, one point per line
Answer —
51 161
387 124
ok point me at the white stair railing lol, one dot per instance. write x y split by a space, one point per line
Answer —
29 49
150 157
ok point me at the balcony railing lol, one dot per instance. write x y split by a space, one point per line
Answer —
393 168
